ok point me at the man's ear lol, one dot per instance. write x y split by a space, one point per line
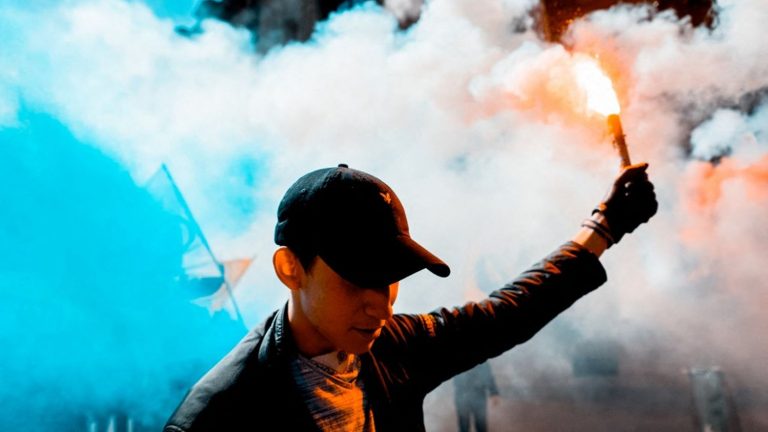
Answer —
288 268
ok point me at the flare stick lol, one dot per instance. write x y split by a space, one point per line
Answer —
614 123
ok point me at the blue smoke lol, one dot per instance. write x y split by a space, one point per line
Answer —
178 10
90 320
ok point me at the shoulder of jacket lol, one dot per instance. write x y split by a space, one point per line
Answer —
223 384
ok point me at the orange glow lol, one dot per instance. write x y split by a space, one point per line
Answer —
601 96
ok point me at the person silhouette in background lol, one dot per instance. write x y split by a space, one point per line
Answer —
471 392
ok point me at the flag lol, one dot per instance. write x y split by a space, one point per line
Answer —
233 271
203 278
201 273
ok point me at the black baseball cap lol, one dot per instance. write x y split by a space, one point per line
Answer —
356 224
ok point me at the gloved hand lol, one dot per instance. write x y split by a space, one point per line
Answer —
630 202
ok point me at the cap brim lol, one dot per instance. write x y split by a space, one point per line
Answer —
430 261
382 264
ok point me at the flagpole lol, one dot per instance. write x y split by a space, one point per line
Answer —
231 295
184 205
219 265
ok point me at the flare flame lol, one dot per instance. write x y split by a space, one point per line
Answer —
601 97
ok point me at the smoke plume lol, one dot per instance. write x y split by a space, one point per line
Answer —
468 115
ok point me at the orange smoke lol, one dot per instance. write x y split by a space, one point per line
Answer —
550 86
707 182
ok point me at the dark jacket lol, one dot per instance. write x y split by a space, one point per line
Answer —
252 388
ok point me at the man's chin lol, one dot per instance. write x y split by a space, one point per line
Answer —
362 340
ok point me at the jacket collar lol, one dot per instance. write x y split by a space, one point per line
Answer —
278 344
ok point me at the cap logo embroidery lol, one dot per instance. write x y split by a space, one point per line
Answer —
386 197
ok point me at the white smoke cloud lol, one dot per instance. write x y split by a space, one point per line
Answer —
469 123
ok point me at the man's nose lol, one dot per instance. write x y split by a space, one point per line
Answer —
378 303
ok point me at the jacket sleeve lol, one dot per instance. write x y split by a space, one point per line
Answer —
424 350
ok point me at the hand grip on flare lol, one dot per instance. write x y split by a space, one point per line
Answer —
631 201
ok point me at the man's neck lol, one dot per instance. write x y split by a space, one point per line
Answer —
309 342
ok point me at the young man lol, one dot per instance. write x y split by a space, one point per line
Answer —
335 357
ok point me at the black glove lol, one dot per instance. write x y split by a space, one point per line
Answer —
630 202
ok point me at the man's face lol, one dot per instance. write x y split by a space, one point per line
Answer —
341 315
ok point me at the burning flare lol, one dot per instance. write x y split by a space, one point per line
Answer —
601 97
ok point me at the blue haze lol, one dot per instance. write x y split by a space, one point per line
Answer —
90 321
